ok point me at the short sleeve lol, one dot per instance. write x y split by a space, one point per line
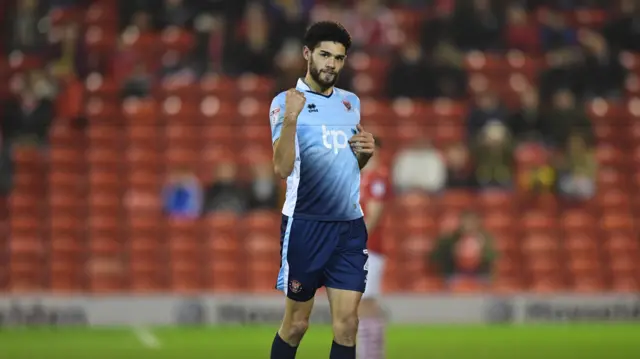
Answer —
355 102
276 118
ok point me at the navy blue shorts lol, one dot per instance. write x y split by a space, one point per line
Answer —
316 254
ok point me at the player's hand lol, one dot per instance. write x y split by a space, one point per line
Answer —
363 142
294 103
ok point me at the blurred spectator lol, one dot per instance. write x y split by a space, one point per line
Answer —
528 122
178 70
146 15
459 168
31 113
176 13
183 195
409 75
10 123
209 33
126 57
624 32
555 33
521 34
289 21
70 100
487 109
419 167
535 172
23 26
603 73
371 23
444 58
289 65
560 44
64 3
437 28
142 22
493 151
225 192
568 117
263 190
447 65
477 26
6 169
252 50
138 84
563 72
67 52
329 10
578 170
418 4
467 253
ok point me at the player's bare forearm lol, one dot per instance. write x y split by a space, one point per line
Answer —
284 150
374 214
363 159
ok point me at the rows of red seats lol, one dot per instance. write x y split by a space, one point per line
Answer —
86 215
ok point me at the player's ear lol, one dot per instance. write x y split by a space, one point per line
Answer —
306 53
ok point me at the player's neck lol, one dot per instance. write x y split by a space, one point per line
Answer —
313 85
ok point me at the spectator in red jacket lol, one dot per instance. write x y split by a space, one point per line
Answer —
521 34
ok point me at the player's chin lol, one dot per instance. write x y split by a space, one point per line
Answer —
329 78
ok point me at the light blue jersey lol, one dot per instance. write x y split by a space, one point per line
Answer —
325 182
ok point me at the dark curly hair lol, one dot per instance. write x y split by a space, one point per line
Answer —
327 31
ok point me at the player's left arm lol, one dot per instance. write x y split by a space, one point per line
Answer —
363 145
378 193
374 214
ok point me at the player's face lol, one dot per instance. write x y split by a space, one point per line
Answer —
325 62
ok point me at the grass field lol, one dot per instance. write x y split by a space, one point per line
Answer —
445 342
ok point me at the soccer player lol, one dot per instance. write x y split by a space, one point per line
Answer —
375 190
320 147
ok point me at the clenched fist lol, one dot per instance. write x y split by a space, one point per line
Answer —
294 103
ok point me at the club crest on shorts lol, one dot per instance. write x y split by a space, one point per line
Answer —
295 286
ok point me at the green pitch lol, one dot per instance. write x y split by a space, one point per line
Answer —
404 342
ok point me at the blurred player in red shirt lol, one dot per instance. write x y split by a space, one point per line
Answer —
374 192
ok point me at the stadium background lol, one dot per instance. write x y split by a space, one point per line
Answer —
83 179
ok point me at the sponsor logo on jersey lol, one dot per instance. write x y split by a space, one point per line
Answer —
334 139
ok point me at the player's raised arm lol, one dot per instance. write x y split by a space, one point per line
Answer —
284 148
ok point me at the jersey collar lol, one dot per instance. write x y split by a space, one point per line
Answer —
302 86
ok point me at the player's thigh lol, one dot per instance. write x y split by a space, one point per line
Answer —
305 253
375 276
344 308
